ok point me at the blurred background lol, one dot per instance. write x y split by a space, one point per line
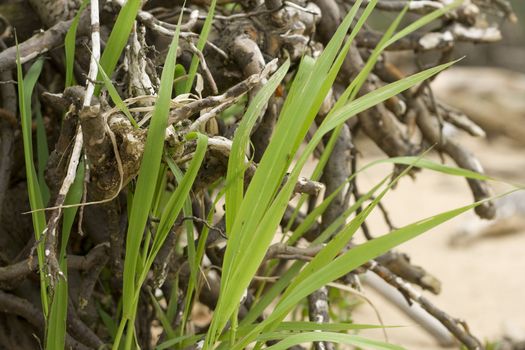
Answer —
480 264
508 53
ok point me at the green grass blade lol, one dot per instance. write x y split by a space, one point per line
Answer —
185 340
119 37
179 79
241 139
422 21
272 217
70 45
178 198
190 238
33 188
56 327
377 96
161 315
56 330
109 323
428 164
115 97
147 177
173 300
332 337
172 210
42 152
203 37
299 326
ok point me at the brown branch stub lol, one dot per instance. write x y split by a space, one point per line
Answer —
35 46
400 265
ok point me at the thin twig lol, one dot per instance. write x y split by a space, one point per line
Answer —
455 326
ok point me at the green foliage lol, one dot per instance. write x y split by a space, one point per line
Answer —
252 211
119 37
203 37
56 330
257 216
70 45
25 90
115 97
144 193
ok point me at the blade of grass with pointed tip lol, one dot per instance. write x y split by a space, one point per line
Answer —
422 21
33 188
379 95
146 181
332 337
190 238
70 45
236 164
119 37
203 37
169 215
56 325
167 219
301 326
115 97
178 198
161 315
449 170
274 213
42 151
306 94
56 330
363 253
109 323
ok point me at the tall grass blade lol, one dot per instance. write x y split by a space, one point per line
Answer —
203 37
70 45
42 151
119 37
25 89
241 139
115 97
339 338
251 259
56 330
149 168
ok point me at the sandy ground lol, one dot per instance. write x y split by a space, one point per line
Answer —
483 282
